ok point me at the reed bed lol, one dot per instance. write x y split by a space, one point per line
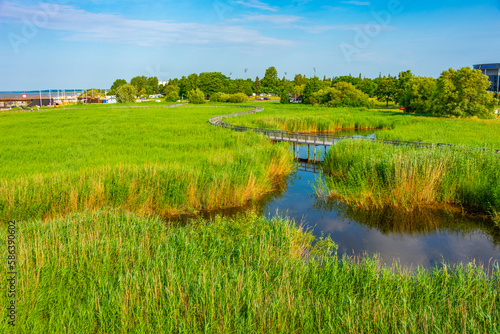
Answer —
390 124
373 174
115 272
162 161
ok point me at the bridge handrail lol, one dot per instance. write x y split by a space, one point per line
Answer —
317 139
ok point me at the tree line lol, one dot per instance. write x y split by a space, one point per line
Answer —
458 93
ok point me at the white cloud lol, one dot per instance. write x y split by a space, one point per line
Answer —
340 27
257 4
82 25
357 3
273 19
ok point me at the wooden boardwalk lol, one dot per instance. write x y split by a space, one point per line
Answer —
300 138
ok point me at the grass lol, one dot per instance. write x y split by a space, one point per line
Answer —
373 174
391 124
88 187
110 272
152 160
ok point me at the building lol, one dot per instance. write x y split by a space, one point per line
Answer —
492 71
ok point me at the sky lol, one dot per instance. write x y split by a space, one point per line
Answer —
62 44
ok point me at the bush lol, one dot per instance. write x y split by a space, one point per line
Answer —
172 97
126 94
238 98
219 97
285 97
196 96
463 93
342 94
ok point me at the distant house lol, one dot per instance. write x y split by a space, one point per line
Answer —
493 72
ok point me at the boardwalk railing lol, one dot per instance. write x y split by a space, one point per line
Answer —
317 139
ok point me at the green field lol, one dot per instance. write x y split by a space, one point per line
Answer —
146 160
89 188
110 272
392 124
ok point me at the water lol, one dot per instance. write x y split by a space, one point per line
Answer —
425 237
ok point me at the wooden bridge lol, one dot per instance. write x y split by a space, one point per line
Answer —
314 139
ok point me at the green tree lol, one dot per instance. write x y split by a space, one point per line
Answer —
299 80
238 98
196 96
367 86
285 97
241 86
347 78
219 97
313 85
213 82
270 82
463 93
126 94
418 95
139 82
117 84
402 86
386 89
171 93
342 94
257 85
152 86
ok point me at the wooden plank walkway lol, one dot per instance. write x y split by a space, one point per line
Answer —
318 139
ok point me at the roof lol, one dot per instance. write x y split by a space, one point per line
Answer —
486 66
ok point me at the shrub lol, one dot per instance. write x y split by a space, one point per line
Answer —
219 97
342 94
238 98
284 97
172 97
196 96
126 94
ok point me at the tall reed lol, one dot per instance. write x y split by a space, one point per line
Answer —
372 173
111 272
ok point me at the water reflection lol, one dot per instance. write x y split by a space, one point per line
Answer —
424 237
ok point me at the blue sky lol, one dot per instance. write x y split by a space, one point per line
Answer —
74 44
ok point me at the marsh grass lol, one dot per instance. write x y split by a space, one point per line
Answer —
113 272
162 161
390 124
374 174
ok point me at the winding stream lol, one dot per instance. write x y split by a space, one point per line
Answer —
425 237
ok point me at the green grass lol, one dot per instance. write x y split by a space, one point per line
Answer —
393 124
374 174
110 272
146 160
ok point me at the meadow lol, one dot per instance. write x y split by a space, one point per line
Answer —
115 272
163 161
90 188
376 175
389 123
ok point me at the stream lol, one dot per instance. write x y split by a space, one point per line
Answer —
424 237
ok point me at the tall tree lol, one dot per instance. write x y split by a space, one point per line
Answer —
257 85
386 89
117 84
299 80
270 82
463 93
312 86
402 85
